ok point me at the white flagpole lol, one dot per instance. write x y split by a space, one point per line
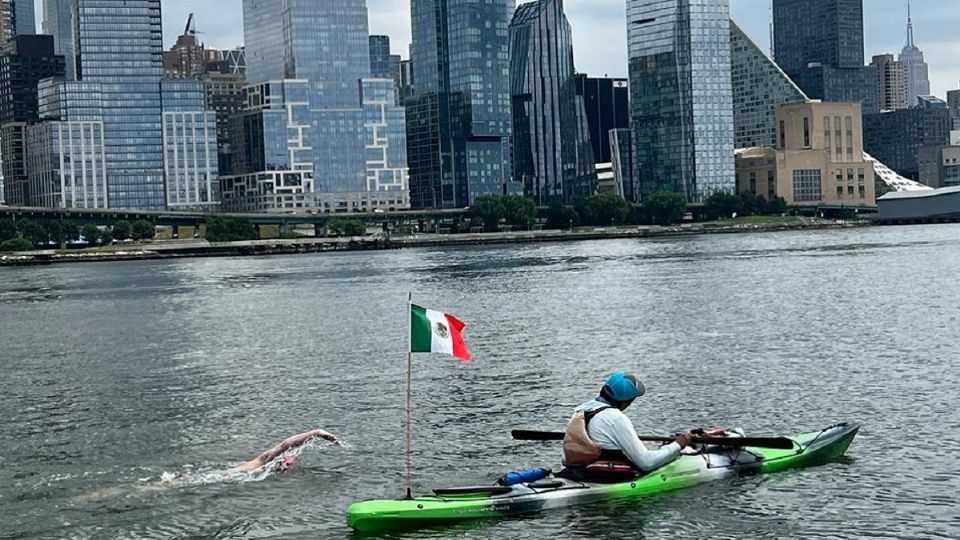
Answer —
409 474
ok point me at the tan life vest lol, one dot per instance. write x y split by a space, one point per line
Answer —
579 450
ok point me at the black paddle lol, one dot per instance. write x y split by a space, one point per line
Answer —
781 443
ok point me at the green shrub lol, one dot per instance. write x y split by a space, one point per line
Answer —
230 230
16 244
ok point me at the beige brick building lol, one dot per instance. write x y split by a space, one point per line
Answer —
818 160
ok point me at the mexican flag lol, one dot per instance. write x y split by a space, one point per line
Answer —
438 332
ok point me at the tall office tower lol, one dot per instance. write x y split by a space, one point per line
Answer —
119 54
681 96
459 124
317 127
406 81
552 155
189 147
16 18
325 42
607 102
819 44
25 60
759 88
58 22
953 103
891 82
918 77
383 65
897 137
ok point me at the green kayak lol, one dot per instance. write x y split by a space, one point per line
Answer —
459 504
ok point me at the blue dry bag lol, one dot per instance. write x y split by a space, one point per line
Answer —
519 477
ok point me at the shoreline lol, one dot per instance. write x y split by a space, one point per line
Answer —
258 248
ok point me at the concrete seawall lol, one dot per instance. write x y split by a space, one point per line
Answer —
201 248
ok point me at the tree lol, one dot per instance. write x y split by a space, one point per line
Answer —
8 229
518 210
753 205
665 208
71 230
605 209
143 230
561 217
722 206
55 232
16 244
347 227
106 237
776 206
487 209
90 233
230 230
33 232
121 230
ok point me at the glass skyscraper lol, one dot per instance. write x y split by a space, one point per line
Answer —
819 44
459 118
759 88
316 119
325 42
681 96
552 153
58 22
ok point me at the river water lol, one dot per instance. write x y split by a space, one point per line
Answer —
126 386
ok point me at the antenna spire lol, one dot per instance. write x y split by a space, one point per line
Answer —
909 26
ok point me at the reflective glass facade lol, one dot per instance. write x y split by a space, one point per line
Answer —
325 42
460 116
121 50
323 114
189 147
552 153
607 104
681 100
819 45
828 32
759 87
57 22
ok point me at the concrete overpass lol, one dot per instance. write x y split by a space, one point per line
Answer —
194 219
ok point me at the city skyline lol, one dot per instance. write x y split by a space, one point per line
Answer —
600 51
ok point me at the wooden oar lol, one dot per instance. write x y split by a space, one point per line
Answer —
781 443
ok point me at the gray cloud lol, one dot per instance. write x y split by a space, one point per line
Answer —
600 29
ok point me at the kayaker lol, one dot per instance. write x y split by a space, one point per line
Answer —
600 432
288 444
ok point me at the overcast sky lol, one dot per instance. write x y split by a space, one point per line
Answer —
599 30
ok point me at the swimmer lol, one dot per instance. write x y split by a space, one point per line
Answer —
289 444
178 480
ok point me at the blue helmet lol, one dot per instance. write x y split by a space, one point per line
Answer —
621 387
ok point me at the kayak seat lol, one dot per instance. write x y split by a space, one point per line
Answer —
601 472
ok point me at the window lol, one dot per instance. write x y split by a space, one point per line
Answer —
863 192
806 132
783 136
806 185
839 192
860 176
753 182
849 138
826 133
771 186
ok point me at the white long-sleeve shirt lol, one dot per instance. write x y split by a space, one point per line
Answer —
612 430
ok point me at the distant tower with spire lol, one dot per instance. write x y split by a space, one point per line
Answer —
918 77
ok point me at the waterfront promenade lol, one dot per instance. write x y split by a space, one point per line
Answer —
202 248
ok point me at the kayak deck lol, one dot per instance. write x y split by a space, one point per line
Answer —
461 504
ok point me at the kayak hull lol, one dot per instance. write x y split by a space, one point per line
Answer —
812 448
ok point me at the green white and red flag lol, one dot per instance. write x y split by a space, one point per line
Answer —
436 332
